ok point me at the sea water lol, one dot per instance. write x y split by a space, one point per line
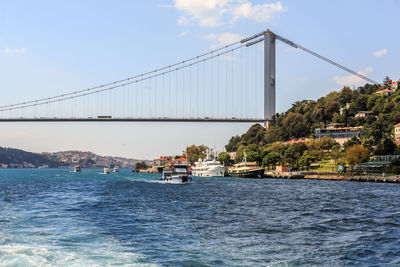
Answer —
54 217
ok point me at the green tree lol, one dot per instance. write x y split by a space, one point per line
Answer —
386 147
351 142
239 154
306 159
233 144
386 81
293 153
224 158
357 154
140 165
195 152
272 159
253 156
336 154
395 166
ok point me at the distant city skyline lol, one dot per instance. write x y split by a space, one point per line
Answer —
49 48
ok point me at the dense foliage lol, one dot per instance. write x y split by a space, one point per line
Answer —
195 152
140 165
301 120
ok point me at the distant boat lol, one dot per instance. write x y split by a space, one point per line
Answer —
116 169
106 170
176 173
43 166
77 168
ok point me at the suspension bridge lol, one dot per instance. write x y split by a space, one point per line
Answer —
234 83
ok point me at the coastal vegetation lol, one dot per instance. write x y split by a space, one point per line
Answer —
140 165
290 141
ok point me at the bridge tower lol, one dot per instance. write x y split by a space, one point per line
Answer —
269 76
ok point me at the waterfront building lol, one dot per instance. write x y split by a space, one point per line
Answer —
181 161
377 163
395 85
397 134
340 132
363 114
384 92
162 161
281 169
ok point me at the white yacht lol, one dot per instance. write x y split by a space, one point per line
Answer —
208 168
116 169
106 170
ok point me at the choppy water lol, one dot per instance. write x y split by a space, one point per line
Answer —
59 218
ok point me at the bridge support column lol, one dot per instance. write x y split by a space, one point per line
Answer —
269 76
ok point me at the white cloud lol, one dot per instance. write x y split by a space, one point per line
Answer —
223 39
380 53
14 50
213 13
182 34
352 79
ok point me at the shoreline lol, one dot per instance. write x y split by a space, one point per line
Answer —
334 177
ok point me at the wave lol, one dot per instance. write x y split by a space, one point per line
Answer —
27 255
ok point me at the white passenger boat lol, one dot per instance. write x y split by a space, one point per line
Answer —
208 168
77 168
116 169
106 170
176 173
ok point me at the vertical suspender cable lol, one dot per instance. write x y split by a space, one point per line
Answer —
190 92
226 88
232 81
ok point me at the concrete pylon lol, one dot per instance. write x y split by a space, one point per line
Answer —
269 76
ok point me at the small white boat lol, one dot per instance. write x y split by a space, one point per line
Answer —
176 173
106 170
77 169
116 169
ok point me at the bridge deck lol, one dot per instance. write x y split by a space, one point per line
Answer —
250 120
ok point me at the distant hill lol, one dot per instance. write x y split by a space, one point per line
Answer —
89 159
16 158
20 158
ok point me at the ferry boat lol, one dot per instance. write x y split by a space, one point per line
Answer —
246 170
176 173
77 169
208 168
116 169
106 170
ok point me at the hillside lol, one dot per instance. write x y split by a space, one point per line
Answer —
90 159
304 116
19 158
374 109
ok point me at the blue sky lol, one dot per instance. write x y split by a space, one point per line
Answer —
52 47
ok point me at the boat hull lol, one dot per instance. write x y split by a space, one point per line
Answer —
248 174
176 180
210 172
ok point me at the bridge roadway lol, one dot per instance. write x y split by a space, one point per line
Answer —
43 119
